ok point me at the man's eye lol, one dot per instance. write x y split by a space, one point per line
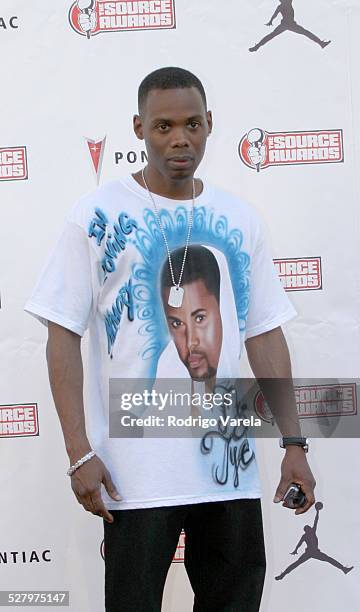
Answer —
194 124
176 324
199 318
163 127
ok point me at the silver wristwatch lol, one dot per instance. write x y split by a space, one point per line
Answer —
303 442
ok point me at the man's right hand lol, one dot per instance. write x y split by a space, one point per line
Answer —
86 484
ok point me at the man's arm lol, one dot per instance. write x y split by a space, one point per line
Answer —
316 521
269 359
300 542
277 11
65 367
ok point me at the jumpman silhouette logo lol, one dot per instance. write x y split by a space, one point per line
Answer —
312 550
287 23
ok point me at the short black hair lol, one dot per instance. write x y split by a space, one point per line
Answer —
169 78
200 264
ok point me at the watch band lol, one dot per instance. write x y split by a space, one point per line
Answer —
295 441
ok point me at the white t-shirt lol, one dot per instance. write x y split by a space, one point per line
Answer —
107 274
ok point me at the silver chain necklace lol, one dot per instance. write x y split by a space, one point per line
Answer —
176 294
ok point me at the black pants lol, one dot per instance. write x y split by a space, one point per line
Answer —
224 555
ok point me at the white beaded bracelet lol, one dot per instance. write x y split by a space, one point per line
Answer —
76 465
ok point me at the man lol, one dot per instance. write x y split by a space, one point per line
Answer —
288 22
118 237
196 326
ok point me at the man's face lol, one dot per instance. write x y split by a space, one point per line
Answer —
175 126
196 329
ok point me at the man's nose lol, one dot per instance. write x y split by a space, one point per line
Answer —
179 138
192 339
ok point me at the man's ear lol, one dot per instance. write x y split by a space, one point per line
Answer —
209 121
138 127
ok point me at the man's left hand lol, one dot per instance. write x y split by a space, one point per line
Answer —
295 469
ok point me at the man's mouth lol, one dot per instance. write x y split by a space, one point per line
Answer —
194 361
181 161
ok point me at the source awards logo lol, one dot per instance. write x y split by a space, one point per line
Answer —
19 420
326 400
91 17
13 164
303 274
329 400
259 149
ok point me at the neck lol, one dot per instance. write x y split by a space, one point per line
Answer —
180 189
210 384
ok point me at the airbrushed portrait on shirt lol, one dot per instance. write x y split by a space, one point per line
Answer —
201 346
195 326
204 343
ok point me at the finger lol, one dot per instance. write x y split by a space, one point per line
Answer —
83 500
78 497
83 495
281 490
100 509
86 503
308 489
110 487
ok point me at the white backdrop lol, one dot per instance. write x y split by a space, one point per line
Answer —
59 87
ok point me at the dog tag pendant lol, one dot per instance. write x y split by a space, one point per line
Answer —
176 297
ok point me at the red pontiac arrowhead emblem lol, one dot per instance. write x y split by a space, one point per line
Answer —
96 150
